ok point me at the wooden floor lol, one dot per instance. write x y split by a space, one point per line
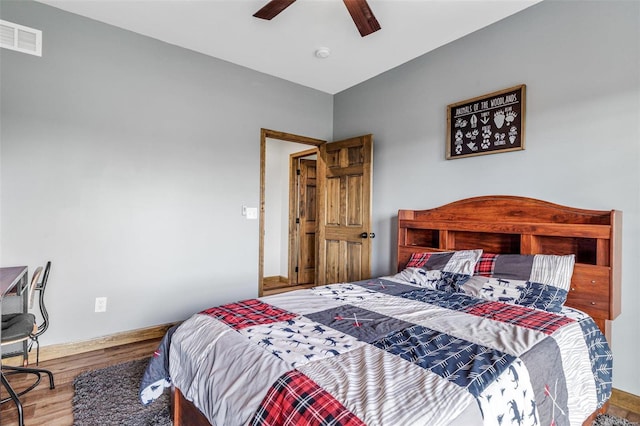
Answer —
631 409
43 406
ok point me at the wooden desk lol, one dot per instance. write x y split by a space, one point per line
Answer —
16 277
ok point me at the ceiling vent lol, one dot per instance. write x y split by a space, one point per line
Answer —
20 38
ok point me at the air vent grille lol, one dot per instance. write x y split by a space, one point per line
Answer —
20 38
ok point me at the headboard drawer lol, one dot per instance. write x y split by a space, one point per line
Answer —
589 290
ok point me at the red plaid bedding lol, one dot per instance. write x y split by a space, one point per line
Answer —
247 313
295 399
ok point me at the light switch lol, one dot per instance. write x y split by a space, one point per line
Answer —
252 212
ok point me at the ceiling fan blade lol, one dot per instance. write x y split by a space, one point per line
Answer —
362 16
272 9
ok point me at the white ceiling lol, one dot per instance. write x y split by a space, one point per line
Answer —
285 46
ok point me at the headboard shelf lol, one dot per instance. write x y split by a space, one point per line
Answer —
549 229
520 225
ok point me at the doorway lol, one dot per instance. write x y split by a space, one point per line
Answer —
280 244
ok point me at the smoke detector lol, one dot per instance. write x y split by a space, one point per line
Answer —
323 52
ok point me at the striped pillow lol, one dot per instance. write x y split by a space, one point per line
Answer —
540 268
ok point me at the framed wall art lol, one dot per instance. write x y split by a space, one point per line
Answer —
487 124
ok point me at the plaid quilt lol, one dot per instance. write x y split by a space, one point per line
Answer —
295 399
386 352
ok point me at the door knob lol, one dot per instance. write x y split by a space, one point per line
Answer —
364 235
372 235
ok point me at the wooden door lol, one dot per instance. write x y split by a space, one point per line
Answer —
344 210
306 222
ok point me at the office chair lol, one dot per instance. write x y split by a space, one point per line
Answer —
19 327
42 327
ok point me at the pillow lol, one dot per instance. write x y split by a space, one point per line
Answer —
494 289
540 268
434 279
543 296
445 271
537 281
516 292
457 262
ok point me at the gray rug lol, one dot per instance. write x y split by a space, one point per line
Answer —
609 420
110 397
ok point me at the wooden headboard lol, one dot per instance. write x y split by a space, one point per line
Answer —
518 225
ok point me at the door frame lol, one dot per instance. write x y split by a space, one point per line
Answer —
281 136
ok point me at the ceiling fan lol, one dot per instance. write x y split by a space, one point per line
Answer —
358 9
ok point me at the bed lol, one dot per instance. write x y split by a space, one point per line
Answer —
499 314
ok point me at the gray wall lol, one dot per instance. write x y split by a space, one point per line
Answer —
126 162
580 62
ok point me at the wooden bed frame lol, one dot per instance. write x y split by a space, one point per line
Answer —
510 225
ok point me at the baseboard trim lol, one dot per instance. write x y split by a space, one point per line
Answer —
625 400
276 281
269 292
66 349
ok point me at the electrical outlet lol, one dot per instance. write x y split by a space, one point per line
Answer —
101 304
